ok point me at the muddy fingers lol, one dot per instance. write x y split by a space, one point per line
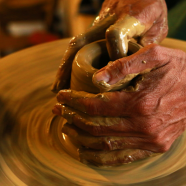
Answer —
95 33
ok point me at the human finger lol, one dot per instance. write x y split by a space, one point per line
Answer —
96 32
110 134
89 141
125 69
158 26
118 35
102 104
116 157
97 126
156 33
124 132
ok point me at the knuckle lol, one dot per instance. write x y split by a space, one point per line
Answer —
144 107
117 67
151 128
162 145
148 130
147 127
155 50
164 148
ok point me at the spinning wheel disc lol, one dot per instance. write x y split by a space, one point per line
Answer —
33 151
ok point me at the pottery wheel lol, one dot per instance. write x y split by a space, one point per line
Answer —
34 152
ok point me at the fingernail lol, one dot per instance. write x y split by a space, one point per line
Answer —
102 76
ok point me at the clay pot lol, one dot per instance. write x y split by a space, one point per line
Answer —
88 60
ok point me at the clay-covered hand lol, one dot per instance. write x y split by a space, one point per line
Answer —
142 19
149 118
120 21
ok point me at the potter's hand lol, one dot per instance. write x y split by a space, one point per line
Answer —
150 118
143 19
95 33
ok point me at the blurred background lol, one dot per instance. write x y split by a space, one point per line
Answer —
25 23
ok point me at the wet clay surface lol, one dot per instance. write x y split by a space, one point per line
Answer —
119 34
33 151
85 65
93 57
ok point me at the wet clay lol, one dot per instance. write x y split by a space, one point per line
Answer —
119 34
86 63
34 152
95 33
93 57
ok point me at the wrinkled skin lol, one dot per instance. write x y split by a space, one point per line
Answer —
150 118
152 14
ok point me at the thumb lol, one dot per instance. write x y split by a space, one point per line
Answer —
118 74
